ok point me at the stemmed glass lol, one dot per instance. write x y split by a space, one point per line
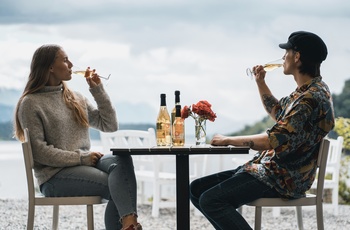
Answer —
81 71
272 65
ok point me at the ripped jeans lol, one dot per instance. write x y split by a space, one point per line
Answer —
113 178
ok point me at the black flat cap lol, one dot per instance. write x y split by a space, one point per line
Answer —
310 46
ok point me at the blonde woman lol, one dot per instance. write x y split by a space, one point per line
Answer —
58 120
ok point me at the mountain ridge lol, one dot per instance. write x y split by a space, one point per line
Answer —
128 113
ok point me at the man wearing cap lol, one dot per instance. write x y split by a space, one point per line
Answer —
285 164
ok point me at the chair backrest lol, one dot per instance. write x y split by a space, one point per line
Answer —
134 138
198 166
29 163
139 138
334 156
333 163
321 164
128 138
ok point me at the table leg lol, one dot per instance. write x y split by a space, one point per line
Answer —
182 192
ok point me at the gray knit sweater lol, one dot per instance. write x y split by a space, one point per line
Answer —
57 139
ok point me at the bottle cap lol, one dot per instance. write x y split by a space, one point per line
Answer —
162 99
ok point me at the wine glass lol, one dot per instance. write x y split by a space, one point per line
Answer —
81 71
272 65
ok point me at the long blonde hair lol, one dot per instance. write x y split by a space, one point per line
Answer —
43 58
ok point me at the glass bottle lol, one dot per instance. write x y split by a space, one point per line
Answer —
163 124
177 102
178 128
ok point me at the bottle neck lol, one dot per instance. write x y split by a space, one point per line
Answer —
162 100
178 111
177 99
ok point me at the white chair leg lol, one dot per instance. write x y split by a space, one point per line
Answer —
139 193
156 200
335 201
257 218
31 213
299 215
319 214
55 217
90 217
142 189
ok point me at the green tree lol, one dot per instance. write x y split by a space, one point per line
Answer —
258 127
342 128
341 102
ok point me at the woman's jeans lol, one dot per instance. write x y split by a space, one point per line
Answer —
219 195
113 178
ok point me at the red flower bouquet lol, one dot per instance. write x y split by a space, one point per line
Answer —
200 112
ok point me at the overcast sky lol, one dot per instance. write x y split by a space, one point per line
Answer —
199 47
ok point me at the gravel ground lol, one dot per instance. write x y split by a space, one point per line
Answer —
13 215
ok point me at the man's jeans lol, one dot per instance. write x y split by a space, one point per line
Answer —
219 195
113 178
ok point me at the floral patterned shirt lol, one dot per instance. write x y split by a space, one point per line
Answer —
303 119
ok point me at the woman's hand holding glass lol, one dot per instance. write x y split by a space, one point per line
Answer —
91 76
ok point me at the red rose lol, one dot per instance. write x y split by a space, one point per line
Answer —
185 112
202 109
205 103
195 108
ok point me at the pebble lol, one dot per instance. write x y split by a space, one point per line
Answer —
13 216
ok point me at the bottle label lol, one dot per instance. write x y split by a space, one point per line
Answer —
163 134
160 130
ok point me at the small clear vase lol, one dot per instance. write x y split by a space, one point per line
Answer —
200 132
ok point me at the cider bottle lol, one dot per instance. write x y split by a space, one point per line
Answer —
178 133
163 124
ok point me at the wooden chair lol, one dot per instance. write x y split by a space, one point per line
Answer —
310 199
332 171
148 169
36 199
331 180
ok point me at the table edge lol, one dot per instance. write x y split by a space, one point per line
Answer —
186 150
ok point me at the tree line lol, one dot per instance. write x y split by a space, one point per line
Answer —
341 104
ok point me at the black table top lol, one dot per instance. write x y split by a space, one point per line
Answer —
181 150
